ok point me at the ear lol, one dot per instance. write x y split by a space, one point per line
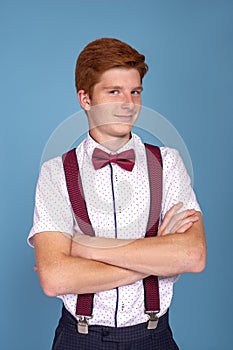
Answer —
84 100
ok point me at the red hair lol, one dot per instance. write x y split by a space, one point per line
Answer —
101 55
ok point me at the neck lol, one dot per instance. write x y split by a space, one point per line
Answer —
111 143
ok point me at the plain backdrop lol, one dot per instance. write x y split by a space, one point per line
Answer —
189 48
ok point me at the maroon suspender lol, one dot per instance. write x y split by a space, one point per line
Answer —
151 285
74 186
84 303
75 190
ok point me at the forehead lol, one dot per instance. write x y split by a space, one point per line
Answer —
120 76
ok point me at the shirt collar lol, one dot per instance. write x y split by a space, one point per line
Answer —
90 144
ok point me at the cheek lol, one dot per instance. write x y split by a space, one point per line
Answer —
101 98
105 108
101 114
138 100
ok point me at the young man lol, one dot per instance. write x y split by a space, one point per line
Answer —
114 263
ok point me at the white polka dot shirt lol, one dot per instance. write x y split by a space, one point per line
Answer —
123 306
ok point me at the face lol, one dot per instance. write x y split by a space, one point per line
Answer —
114 106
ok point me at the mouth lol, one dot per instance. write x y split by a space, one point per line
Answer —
124 118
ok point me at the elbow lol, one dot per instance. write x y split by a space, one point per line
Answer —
50 284
49 290
199 260
199 266
49 287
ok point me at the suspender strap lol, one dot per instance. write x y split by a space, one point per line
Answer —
151 285
84 303
155 173
75 190
74 186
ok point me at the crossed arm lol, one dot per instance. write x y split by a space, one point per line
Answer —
65 266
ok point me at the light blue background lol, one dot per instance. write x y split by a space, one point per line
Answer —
189 48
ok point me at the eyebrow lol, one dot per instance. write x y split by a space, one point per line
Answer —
117 87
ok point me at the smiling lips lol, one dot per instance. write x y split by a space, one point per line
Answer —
124 117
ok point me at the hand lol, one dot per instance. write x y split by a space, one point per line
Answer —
174 222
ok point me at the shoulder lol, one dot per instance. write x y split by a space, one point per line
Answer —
52 167
55 165
170 154
171 158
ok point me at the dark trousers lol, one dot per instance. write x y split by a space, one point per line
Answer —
109 338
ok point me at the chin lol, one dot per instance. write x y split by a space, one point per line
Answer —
122 130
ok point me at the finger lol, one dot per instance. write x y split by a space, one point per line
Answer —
174 209
179 220
189 212
185 213
179 225
170 213
175 222
185 227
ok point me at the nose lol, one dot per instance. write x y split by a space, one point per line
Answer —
127 102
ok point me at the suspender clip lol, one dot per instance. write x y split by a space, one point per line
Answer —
82 325
153 319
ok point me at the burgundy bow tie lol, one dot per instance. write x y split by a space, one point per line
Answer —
124 159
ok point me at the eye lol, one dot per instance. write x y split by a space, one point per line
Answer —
136 92
114 92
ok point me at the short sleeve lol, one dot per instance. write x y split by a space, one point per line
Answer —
52 211
176 182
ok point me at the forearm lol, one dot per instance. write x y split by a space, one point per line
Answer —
60 273
163 256
153 256
87 276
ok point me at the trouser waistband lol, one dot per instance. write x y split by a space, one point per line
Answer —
117 333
